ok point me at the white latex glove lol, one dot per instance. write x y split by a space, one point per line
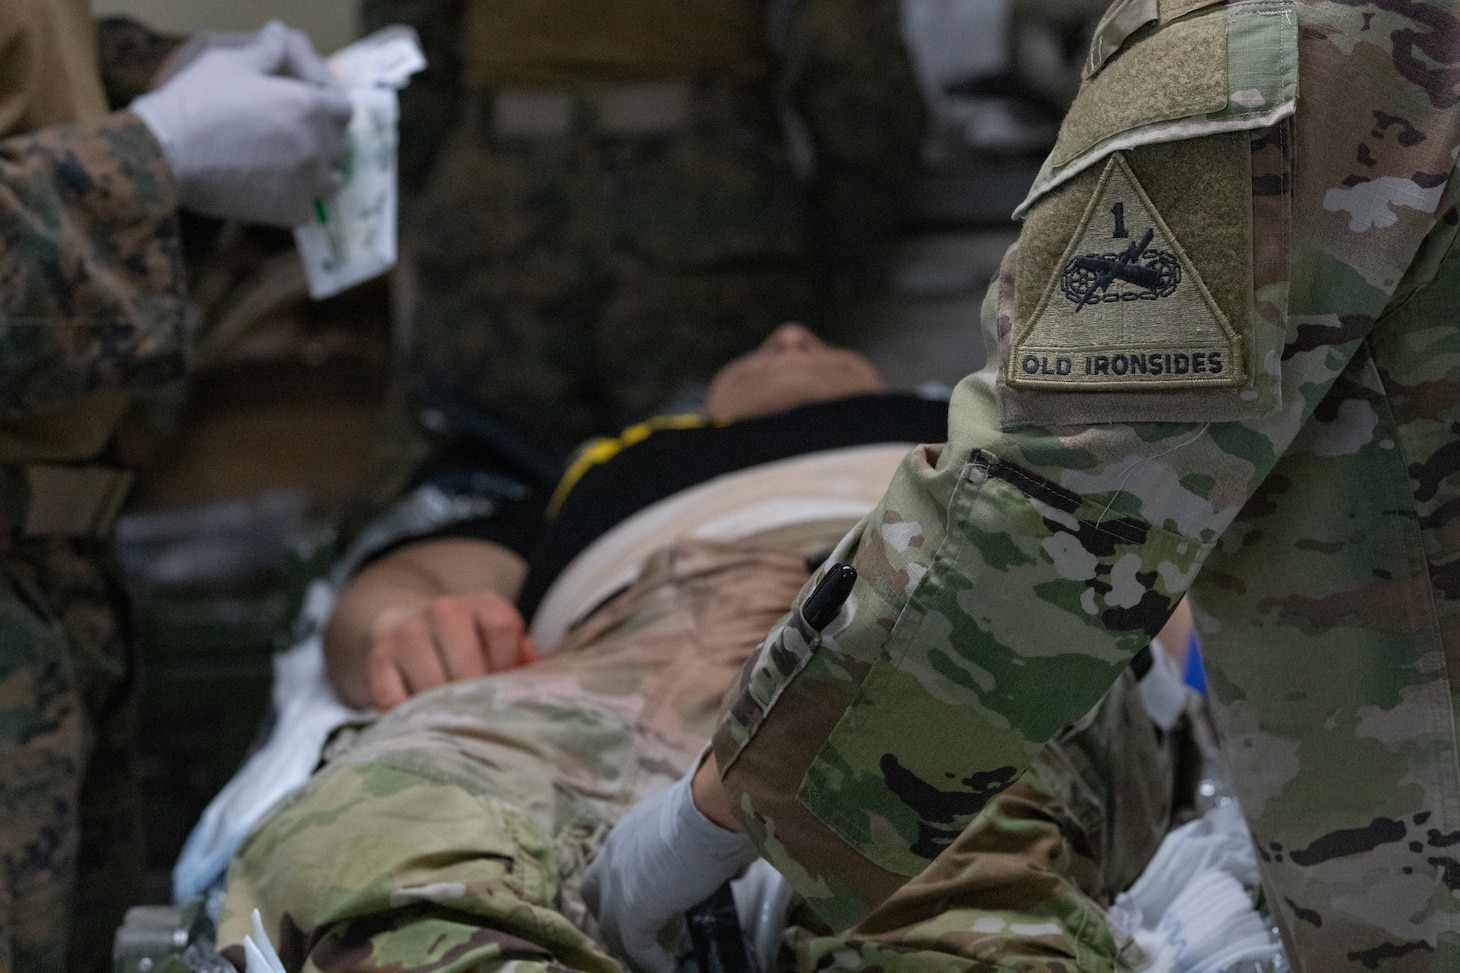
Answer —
252 131
258 952
663 859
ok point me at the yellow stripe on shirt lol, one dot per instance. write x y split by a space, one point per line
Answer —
602 450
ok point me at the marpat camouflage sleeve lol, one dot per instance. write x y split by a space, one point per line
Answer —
91 281
1225 342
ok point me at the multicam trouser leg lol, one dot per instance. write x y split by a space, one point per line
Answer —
1024 887
69 834
451 834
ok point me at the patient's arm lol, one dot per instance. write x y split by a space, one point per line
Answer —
424 615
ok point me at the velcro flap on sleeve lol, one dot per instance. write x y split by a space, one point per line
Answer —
1186 76
1124 18
1212 69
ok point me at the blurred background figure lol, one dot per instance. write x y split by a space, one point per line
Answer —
95 309
602 202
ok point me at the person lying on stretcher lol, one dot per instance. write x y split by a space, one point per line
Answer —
452 832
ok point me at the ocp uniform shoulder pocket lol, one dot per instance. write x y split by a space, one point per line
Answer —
1150 281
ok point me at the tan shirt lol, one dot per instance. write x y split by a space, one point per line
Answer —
802 505
48 68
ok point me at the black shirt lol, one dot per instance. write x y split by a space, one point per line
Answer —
658 465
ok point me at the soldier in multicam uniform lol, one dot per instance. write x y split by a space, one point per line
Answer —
452 832
93 306
604 202
1226 361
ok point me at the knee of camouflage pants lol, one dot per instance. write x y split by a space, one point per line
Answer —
398 863
1024 887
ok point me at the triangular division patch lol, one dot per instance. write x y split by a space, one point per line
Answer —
1126 308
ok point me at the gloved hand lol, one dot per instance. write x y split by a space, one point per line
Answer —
252 131
660 861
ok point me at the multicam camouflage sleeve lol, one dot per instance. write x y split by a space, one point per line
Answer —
1224 361
93 290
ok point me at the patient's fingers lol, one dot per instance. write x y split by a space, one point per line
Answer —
421 668
387 686
528 652
405 661
501 629
454 634
448 639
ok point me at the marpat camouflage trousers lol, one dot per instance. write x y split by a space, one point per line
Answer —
69 832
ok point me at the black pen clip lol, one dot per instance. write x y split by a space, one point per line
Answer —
829 596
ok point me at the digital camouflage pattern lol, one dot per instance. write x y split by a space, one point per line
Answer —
570 282
93 293
452 833
91 304
70 844
1009 575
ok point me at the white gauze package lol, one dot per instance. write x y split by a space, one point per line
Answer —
353 235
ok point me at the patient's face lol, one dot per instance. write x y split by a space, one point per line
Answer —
791 367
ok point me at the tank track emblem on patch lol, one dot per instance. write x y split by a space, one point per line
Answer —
1123 306
1087 279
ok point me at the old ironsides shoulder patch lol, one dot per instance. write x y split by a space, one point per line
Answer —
1126 308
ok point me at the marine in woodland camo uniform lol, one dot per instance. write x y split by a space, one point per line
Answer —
1226 361
91 303
452 833
603 203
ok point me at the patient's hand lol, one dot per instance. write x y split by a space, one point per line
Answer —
427 613
447 639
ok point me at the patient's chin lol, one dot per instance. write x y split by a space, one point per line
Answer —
764 395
